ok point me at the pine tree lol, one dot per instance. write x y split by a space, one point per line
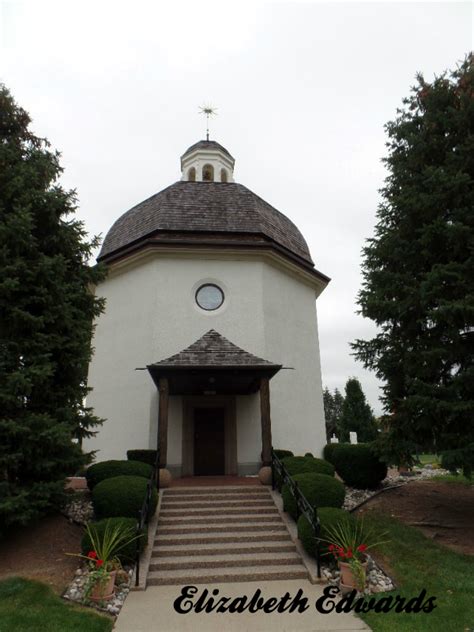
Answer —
418 271
46 312
338 403
332 411
331 424
357 416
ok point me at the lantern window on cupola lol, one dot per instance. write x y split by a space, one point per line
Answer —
208 173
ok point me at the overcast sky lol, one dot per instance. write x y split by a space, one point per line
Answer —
303 91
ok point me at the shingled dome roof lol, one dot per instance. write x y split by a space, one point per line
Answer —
225 208
207 144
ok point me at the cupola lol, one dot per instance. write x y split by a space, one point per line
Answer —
207 161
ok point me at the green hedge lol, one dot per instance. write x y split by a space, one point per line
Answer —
319 490
144 456
306 464
109 469
328 517
128 553
358 465
328 451
282 454
121 496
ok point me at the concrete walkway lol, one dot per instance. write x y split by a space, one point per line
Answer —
152 611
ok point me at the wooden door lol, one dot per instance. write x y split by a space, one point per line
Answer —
209 442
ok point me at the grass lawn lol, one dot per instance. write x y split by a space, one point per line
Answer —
28 606
452 478
418 563
426 459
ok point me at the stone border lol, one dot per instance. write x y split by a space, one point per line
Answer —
147 553
308 561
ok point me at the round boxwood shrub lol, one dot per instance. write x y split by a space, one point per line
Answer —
306 464
144 456
128 553
358 465
328 517
328 451
319 490
122 496
109 469
282 454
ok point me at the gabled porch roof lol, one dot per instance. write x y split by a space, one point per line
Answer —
213 365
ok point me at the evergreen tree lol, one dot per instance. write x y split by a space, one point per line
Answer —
46 311
331 425
332 411
418 272
357 415
338 403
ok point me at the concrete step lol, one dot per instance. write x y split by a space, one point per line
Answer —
207 576
240 498
229 560
218 504
218 511
224 519
210 491
230 537
212 528
221 548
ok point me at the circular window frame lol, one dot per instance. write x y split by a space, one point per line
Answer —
209 309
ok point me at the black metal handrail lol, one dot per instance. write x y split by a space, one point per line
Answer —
143 514
303 507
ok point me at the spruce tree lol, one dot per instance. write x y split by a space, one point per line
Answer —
328 402
418 272
47 308
357 415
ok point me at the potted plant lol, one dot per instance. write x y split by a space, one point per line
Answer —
102 559
348 543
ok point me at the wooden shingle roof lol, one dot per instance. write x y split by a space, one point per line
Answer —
214 351
207 144
220 208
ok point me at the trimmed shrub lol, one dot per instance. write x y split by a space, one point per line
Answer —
127 554
144 456
282 454
122 496
328 451
309 454
358 465
306 464
109 469
319 490
328 517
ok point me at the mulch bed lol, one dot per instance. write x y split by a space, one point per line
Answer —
39 552
442 511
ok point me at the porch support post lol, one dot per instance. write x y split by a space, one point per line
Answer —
266 422
163 391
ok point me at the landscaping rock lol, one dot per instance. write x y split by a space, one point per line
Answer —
76 589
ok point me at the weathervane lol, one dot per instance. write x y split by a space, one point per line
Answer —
209 111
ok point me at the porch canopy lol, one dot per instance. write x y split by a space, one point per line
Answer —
213 366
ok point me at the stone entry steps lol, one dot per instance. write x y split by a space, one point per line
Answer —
221 534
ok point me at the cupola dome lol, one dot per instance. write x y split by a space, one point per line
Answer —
207 161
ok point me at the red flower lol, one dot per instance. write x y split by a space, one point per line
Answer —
349 553
99 562
331 547
92 555
362 547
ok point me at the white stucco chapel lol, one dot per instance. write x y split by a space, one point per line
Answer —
208 345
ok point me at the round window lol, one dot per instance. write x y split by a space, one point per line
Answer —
209 297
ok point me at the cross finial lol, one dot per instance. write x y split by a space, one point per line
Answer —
208 111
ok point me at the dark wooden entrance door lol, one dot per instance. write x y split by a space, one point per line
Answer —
209 441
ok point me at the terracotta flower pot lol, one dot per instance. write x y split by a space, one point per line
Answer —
347 576
104 591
